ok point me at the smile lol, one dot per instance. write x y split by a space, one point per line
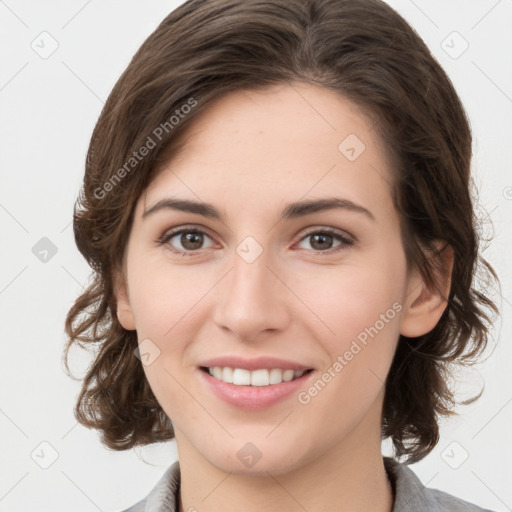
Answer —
260 377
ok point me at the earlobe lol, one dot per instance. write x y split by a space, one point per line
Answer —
123 309
424 306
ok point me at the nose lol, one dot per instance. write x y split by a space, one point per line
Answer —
252 299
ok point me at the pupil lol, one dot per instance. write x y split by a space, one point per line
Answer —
188 238
322 238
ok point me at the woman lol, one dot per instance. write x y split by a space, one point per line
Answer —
277 210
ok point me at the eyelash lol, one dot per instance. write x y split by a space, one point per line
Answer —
345 241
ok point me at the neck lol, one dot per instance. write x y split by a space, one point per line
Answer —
348 477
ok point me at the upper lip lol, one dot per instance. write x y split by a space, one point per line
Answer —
256 363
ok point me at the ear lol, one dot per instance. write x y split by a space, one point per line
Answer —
423 305
123 309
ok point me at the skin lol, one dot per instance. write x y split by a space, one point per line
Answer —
250 154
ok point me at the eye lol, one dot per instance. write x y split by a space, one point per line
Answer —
190 239
321 240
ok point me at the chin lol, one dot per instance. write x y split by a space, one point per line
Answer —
249 461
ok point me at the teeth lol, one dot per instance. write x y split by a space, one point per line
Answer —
242 377
227 375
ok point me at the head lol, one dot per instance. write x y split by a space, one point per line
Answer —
250 107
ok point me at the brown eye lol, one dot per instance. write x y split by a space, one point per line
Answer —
185 241
322 240
191 241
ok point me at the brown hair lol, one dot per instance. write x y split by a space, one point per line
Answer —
363 50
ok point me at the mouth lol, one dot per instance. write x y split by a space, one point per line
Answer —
263 377
255 383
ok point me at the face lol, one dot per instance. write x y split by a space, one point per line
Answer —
314 288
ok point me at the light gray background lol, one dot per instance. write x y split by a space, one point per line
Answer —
49 106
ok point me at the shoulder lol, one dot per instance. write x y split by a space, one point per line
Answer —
164 495
412 495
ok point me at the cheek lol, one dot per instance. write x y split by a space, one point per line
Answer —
362 311
163 296
352 299
166 303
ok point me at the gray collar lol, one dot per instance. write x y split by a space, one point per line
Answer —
410 493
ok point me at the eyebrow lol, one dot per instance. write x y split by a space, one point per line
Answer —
291 211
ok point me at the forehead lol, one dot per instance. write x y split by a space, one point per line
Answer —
292 140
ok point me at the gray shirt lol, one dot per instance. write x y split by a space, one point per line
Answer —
410 494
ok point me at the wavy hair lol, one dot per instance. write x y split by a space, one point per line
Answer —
364 51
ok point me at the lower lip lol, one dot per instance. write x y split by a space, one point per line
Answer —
253 398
